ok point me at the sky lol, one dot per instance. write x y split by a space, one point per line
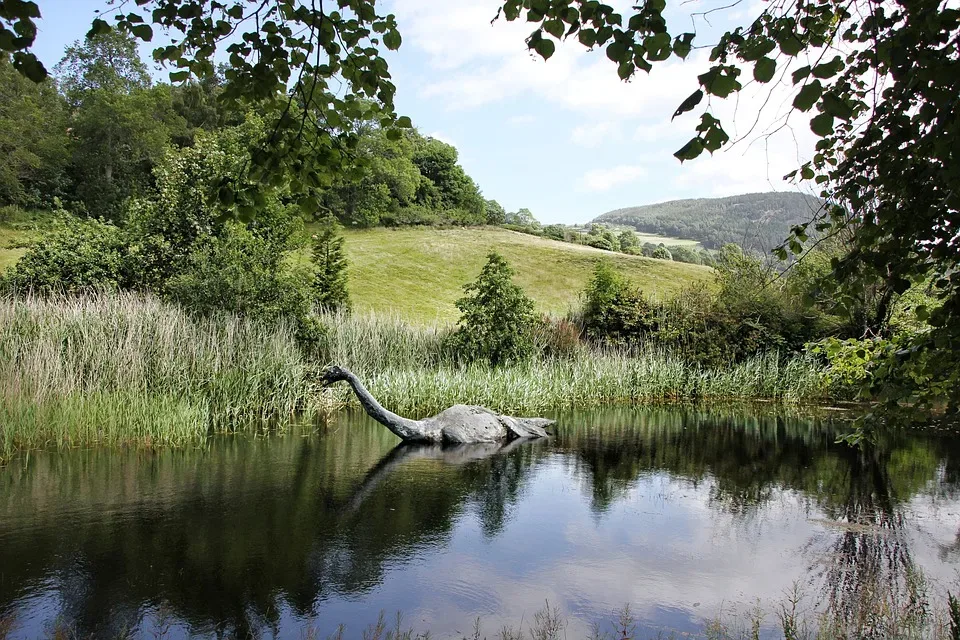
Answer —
564 138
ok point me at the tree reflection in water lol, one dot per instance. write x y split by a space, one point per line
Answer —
249 535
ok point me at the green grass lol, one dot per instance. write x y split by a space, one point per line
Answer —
130 370
405 367
667 241
419 273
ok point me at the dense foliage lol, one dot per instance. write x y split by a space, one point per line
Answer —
497 321
94 135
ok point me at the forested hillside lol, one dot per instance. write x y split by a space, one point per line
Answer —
90 138
756 221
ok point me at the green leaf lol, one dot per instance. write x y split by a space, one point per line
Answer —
808 96
545 48
617 52
828 69
179 76
29 66
142 31
719 81
790 44
692 100
404 122
625 70
587 37
801 74
690 150
837 107
98 27
554 27
807 172
764 69
392 40
822 124
682 44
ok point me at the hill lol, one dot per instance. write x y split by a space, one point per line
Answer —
419 273
757 221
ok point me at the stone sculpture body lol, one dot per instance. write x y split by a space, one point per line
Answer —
460 424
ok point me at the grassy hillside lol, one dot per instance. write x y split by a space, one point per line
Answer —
758 221
419 272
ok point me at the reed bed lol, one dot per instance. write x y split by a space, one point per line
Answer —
129 369
557 383
117 369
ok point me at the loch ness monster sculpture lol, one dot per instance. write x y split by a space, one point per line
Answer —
460 424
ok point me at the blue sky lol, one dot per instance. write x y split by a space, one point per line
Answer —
565 138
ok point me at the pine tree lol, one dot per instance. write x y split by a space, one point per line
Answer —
497 318
330 280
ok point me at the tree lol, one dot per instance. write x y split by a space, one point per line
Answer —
446 186
497 319
120 125
33 139
614 310
495 212
330 260
628 240
522 218
883 85
662 253
892 88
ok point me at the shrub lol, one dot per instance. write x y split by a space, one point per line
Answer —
497 321
79 256
614 311
243 273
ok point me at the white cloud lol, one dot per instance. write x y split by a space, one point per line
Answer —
605 179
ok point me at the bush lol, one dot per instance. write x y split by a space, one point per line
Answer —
614 311
241 272
497 321
79 256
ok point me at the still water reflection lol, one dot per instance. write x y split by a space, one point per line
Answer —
680 513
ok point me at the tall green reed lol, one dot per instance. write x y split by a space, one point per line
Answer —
127 368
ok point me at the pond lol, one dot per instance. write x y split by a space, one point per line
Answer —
683 514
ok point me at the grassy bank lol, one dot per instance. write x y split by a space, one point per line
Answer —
124 369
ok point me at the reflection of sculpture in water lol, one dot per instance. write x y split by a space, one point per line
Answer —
457 425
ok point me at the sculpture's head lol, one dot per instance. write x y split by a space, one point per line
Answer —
334 374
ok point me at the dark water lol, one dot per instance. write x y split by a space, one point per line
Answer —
682 514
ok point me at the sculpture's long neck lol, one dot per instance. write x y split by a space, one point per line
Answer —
401 427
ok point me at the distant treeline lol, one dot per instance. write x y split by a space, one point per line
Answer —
600 236
90 138
757 221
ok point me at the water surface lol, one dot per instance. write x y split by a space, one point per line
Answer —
684 514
